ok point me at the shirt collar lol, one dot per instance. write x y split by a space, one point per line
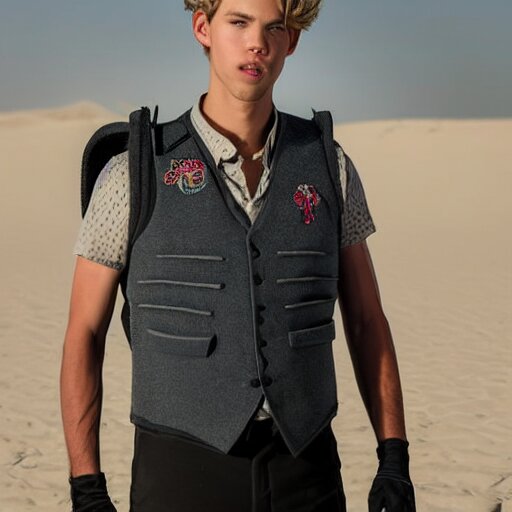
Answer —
220 147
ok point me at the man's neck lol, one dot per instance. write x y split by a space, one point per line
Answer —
245 124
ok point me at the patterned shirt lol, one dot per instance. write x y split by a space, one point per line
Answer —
103 235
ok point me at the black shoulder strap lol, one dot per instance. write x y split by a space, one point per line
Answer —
141 162
140 165
324 122
146 141
107 141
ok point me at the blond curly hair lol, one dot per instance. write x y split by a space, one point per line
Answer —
300 14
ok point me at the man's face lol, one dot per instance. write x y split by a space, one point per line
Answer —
248 44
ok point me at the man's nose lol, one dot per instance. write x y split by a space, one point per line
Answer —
258 41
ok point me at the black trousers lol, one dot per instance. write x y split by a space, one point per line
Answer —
259 474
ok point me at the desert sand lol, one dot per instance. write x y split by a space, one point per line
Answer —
439 192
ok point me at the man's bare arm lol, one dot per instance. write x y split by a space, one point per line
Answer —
92 302
370 342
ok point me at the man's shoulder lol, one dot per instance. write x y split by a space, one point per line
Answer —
317 116
118 160
181 118
304 129
294 118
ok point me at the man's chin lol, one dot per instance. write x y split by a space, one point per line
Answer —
253 95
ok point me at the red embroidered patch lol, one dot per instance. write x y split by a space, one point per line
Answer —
189 175
307 199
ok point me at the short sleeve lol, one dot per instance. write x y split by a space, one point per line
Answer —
103 234
356 220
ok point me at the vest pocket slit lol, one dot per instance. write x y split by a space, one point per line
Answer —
304 279
308 303
181 309
194 346
312 335
214 286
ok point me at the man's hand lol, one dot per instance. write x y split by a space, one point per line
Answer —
89 494
392 489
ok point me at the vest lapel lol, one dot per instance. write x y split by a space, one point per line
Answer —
238 212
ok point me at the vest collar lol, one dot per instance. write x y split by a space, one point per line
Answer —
220 147
240 213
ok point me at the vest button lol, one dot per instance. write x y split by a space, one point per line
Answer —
263 343
257 279
266 381
255 251
255 383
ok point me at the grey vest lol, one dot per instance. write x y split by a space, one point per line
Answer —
221 311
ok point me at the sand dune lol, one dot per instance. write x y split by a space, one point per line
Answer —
81 111
438 190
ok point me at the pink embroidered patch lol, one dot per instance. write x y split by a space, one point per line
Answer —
189 175
307 199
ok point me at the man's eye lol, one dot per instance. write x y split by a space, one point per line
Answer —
276 28
238 23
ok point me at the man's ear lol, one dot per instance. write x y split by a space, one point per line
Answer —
294 39
201 28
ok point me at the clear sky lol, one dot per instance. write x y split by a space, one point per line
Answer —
363 59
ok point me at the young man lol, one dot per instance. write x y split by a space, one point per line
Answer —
257 225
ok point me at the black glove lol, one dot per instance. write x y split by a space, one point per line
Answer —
392 488
89 494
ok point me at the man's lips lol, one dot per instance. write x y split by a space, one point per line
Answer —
253 70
